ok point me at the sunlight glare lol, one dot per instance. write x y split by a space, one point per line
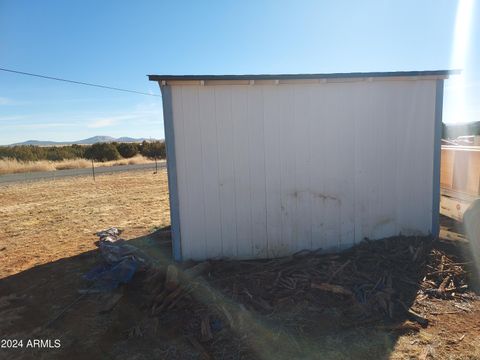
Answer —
461 43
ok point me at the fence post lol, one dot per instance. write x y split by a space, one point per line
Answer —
93 170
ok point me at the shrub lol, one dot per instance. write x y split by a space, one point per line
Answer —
102 152
36 153
154 149
127 150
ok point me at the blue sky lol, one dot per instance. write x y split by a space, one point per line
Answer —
118 42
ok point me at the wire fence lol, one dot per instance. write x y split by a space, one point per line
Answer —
92 172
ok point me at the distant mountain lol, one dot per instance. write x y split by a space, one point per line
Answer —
89 141
95 139
38 143
129 139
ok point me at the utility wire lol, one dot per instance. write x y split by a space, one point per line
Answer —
76 82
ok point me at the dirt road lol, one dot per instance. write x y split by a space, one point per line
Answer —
58 174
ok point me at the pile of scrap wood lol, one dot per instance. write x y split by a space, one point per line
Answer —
170 285
372 281
285 304
445 278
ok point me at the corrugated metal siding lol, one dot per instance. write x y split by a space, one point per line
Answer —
268 170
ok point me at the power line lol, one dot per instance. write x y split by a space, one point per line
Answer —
76 82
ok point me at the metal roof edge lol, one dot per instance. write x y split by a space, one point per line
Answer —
305 76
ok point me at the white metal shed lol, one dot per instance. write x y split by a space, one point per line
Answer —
267 165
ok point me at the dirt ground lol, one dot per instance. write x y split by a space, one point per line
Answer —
44 221
47 244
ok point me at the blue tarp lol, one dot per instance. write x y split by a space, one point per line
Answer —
107 277
121 261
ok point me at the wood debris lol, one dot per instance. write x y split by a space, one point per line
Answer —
176 286
446 278
382 282
336 289
109 302
205 329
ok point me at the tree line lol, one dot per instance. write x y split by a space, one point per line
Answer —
98 152
452 131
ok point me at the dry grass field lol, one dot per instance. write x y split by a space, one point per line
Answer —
46 243
13 166
44 221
